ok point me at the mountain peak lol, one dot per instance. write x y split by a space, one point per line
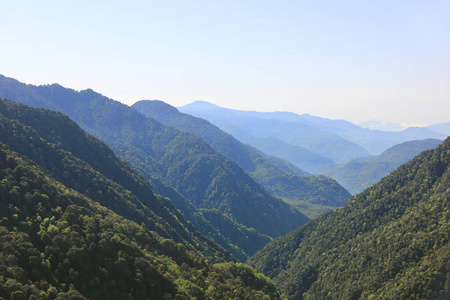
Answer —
157 105
203 105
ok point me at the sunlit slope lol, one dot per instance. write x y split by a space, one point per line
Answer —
56 243
391 241
183 161
85 164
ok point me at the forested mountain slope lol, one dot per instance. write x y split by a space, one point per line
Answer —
56 243
77 145
278 176
85 164
208 179
358 174
248 158
390 242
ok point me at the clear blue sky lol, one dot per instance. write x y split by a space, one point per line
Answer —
355 60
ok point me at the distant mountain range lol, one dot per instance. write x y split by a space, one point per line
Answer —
442 128
166 204
334 148
277 125
320 137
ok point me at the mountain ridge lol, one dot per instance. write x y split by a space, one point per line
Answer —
276 175
208 179
297 134
106 180
56 243
375 141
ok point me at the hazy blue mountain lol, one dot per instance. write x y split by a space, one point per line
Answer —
261 125
358 174
442 128
278 176
375 141
181 160
391 241
299 156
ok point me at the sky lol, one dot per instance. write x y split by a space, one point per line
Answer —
354 60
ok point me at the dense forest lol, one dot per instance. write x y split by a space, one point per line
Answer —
168 206
84 163
22 123
389 242
278 176
177 159
70 229
59 244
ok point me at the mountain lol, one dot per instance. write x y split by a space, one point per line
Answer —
391 241
278 176
442 128
375 141
250 159
236 238
300 157
56 243
67 135
87 165
206 178
358 174
258 125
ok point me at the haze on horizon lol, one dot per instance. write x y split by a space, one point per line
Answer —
354 60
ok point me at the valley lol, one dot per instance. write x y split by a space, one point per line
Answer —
203 202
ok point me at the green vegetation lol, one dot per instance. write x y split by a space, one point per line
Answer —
182 161
278 176
76 222
247 157
391 241
56 243
77 144
130 196
236 232
358 174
